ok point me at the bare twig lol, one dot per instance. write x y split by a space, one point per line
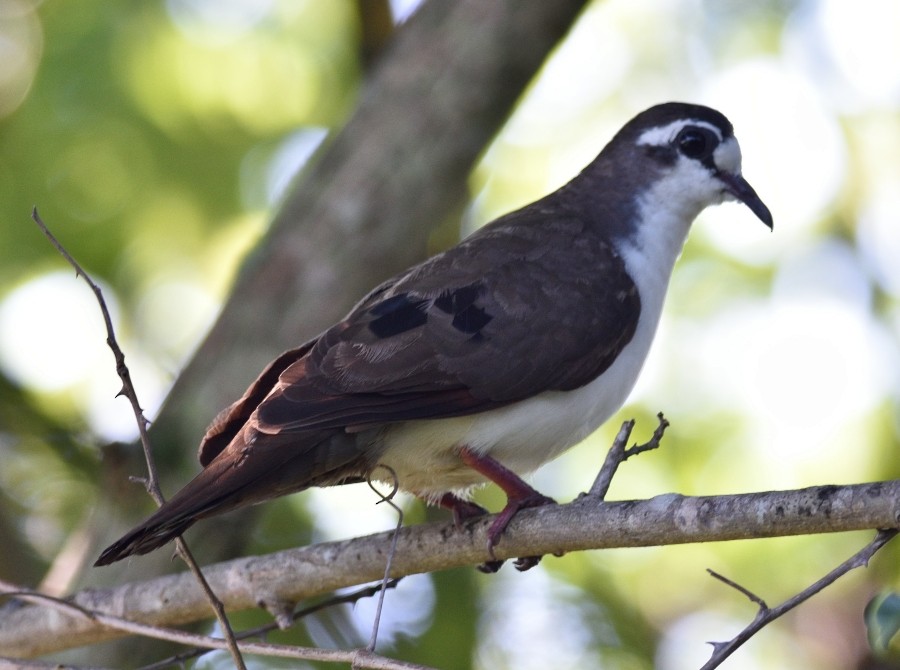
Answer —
389 499
259 631
214 601
8 590
614 457
765 614
128 390
19 664
361 658
618 454
752 597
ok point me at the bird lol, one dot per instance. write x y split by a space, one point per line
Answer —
486 360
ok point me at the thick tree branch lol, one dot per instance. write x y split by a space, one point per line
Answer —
290 576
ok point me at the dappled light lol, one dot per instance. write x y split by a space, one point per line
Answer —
158 139
21 41
32 318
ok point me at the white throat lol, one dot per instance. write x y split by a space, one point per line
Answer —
666 211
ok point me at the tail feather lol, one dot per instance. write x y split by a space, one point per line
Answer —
248 471
143 539
201 497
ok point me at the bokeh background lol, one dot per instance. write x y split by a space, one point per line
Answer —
157 137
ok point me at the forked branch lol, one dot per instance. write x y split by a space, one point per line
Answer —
766 615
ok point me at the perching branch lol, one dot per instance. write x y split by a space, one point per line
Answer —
296 574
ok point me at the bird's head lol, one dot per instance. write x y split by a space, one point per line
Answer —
693 155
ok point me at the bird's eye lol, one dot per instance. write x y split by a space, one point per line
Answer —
696 142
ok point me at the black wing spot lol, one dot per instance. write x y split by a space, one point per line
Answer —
396 315
453 302
467 316
471 320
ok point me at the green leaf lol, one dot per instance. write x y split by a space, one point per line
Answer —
882 617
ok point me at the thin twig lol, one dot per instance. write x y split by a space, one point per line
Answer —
22 664
765 615
752 597
389 499
618 454
614 457
655 440
362 658
214 601
8 590
128 390
260 631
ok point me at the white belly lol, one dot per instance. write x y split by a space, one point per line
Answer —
522 436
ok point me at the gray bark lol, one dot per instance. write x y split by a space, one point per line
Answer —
292 575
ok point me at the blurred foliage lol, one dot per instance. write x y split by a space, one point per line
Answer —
883 620
156 138
135 127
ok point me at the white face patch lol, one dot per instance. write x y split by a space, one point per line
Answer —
663 135
727 156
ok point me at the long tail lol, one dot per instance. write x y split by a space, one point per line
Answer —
153 533
246 472
217 488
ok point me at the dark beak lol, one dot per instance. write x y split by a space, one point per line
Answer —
740 189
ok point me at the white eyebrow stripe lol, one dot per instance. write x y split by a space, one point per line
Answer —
663 135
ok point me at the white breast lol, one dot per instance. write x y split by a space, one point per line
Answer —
529 433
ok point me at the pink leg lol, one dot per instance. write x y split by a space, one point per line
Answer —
519 494
463 510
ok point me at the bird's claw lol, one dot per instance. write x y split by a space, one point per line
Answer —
524 563
499 525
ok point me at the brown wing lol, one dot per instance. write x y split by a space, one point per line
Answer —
230 420
513 311
531 303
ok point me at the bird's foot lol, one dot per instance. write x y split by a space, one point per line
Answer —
520 495
464 510
513 505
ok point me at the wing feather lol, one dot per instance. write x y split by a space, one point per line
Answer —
511 312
